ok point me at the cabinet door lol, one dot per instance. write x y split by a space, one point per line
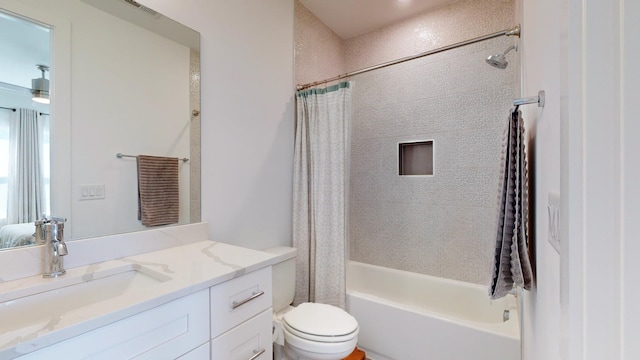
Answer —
164 332
201 353
250 340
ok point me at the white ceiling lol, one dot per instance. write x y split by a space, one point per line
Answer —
348 18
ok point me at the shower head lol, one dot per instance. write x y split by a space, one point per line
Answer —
498 60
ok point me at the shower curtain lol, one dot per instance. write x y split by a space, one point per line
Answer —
26 180
320 184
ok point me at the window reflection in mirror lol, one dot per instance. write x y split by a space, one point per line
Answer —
24 129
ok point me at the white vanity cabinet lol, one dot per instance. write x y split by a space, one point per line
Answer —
200 353
164 332
241 318
229 321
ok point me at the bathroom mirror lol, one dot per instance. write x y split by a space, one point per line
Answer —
126 80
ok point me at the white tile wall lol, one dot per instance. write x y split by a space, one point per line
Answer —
441 225
458 21
319 52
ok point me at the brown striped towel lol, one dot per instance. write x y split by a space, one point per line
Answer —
158 195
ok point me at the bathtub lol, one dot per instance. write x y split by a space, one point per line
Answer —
406 316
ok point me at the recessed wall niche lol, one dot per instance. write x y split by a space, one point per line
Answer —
416 158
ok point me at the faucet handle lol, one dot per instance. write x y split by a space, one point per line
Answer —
46 220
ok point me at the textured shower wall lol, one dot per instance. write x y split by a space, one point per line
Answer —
461 20
319 52
441 225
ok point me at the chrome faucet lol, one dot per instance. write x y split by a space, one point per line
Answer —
50 233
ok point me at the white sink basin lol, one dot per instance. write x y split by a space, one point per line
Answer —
54 297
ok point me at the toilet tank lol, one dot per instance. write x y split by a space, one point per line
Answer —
283 276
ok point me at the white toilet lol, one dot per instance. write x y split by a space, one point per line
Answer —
309 331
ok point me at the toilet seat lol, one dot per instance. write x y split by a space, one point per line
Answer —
318 338
320 323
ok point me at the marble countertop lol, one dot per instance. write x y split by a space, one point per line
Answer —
175 272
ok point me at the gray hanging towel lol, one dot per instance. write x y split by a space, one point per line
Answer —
512 266
158 192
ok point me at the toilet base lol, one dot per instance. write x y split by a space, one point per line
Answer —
299 354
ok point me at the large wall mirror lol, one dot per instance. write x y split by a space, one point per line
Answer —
123 79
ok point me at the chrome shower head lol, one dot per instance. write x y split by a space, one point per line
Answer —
498 60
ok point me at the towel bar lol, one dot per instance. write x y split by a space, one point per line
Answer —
531 100
121 155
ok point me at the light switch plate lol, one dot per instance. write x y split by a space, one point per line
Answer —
553 209
91 192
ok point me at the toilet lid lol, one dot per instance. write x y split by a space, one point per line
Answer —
320 320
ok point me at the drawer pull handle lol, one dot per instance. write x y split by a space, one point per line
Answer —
237 304
257 354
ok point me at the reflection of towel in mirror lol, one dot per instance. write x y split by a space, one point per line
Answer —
512 266
158 194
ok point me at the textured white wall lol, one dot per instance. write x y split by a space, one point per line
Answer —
319 52
458 21
442 225
247 116
426 225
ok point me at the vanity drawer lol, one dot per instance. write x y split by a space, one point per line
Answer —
239 299
250 340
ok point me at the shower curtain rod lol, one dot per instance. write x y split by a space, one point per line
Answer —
514 31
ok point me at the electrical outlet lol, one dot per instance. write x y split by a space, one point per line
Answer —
91 192
553 209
